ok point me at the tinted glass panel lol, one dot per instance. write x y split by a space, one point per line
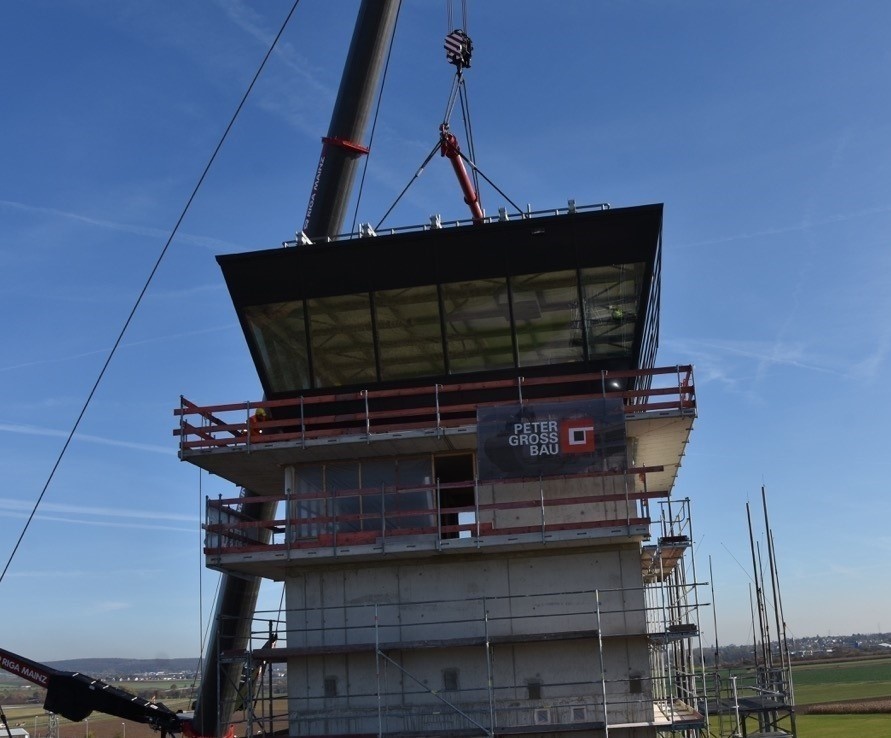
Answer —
612 295
409 332
342 340
546 316
477 318
280 337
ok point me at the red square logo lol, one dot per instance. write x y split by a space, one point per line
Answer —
577 436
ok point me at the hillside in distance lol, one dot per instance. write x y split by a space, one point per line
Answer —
104 668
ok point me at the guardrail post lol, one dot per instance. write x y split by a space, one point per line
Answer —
476 504
680 388
541 498
182 425
627 500
289 477
302 424
334 524
520 389
367 416
438 516
436 400
384 519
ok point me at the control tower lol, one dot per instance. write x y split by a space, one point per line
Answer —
462 471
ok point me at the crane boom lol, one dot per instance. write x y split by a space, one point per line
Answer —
75 696
341 148
375 25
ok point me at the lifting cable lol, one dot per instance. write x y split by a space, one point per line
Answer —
145 287
468 133
459 50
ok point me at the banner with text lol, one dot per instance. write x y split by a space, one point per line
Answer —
551 439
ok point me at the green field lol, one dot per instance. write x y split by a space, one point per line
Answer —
843 726
814 684
843 680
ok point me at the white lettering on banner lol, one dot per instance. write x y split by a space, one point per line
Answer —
540 437
315 189
15 667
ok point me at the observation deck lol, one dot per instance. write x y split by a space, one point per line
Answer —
419 515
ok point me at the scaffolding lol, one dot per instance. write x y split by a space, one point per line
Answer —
424 600
437 667
759 701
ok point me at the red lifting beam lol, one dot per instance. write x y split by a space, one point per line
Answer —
449 148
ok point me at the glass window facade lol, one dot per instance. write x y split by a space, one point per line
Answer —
477 325
279 333
409 332
350 497
577 292
340 328
546 318
611 299
526 320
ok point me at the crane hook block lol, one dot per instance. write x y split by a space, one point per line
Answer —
458 48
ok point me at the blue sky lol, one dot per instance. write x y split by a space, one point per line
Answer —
762 126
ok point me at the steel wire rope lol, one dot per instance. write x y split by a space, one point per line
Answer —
458 92
142 292
377 109
410 183
490 182
450 104
449 26
453 96
468 133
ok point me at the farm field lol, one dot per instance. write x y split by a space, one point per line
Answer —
842 681
859 690
843 726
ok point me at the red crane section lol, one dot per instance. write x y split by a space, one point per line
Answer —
448 147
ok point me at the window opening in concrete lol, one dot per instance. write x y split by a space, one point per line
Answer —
450 680
331 686
533 689
456 501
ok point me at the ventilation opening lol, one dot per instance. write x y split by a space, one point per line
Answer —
533 689
450 680
542 716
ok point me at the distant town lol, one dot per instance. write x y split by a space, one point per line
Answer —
179 676
809 648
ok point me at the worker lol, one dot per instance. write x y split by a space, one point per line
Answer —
258 417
